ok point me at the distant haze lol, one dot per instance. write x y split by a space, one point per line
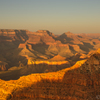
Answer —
58 16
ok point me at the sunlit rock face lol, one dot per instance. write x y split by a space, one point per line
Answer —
7 87
30 62
43 45
41 36
13 35
79 82
46 52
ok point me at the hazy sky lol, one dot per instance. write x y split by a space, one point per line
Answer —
57 16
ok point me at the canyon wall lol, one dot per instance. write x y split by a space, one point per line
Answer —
43 45
79 82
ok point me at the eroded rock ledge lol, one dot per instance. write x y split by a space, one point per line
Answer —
6 87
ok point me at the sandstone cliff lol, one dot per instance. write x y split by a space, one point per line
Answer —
79 82
20 45
7 87
9 51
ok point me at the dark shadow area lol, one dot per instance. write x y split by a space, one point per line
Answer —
72 49
83 47
86 47
21 35
53 36
9 51
30 69
64 36
36 49
94 43
79 36
40 47
4 38
75 58
77 84
64 39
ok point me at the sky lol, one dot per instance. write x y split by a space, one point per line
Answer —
57 16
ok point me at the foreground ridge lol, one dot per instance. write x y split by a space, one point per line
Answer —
6 87
79 82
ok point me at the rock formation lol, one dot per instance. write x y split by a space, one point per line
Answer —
42 45
79 82
67 66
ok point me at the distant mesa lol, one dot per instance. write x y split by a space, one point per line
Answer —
42 31
68 33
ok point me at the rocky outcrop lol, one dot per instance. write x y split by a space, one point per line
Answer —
69 37
13 35
10 40
7 87
41 36
42 44
79 82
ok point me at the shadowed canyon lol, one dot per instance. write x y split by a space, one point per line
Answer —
43 66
